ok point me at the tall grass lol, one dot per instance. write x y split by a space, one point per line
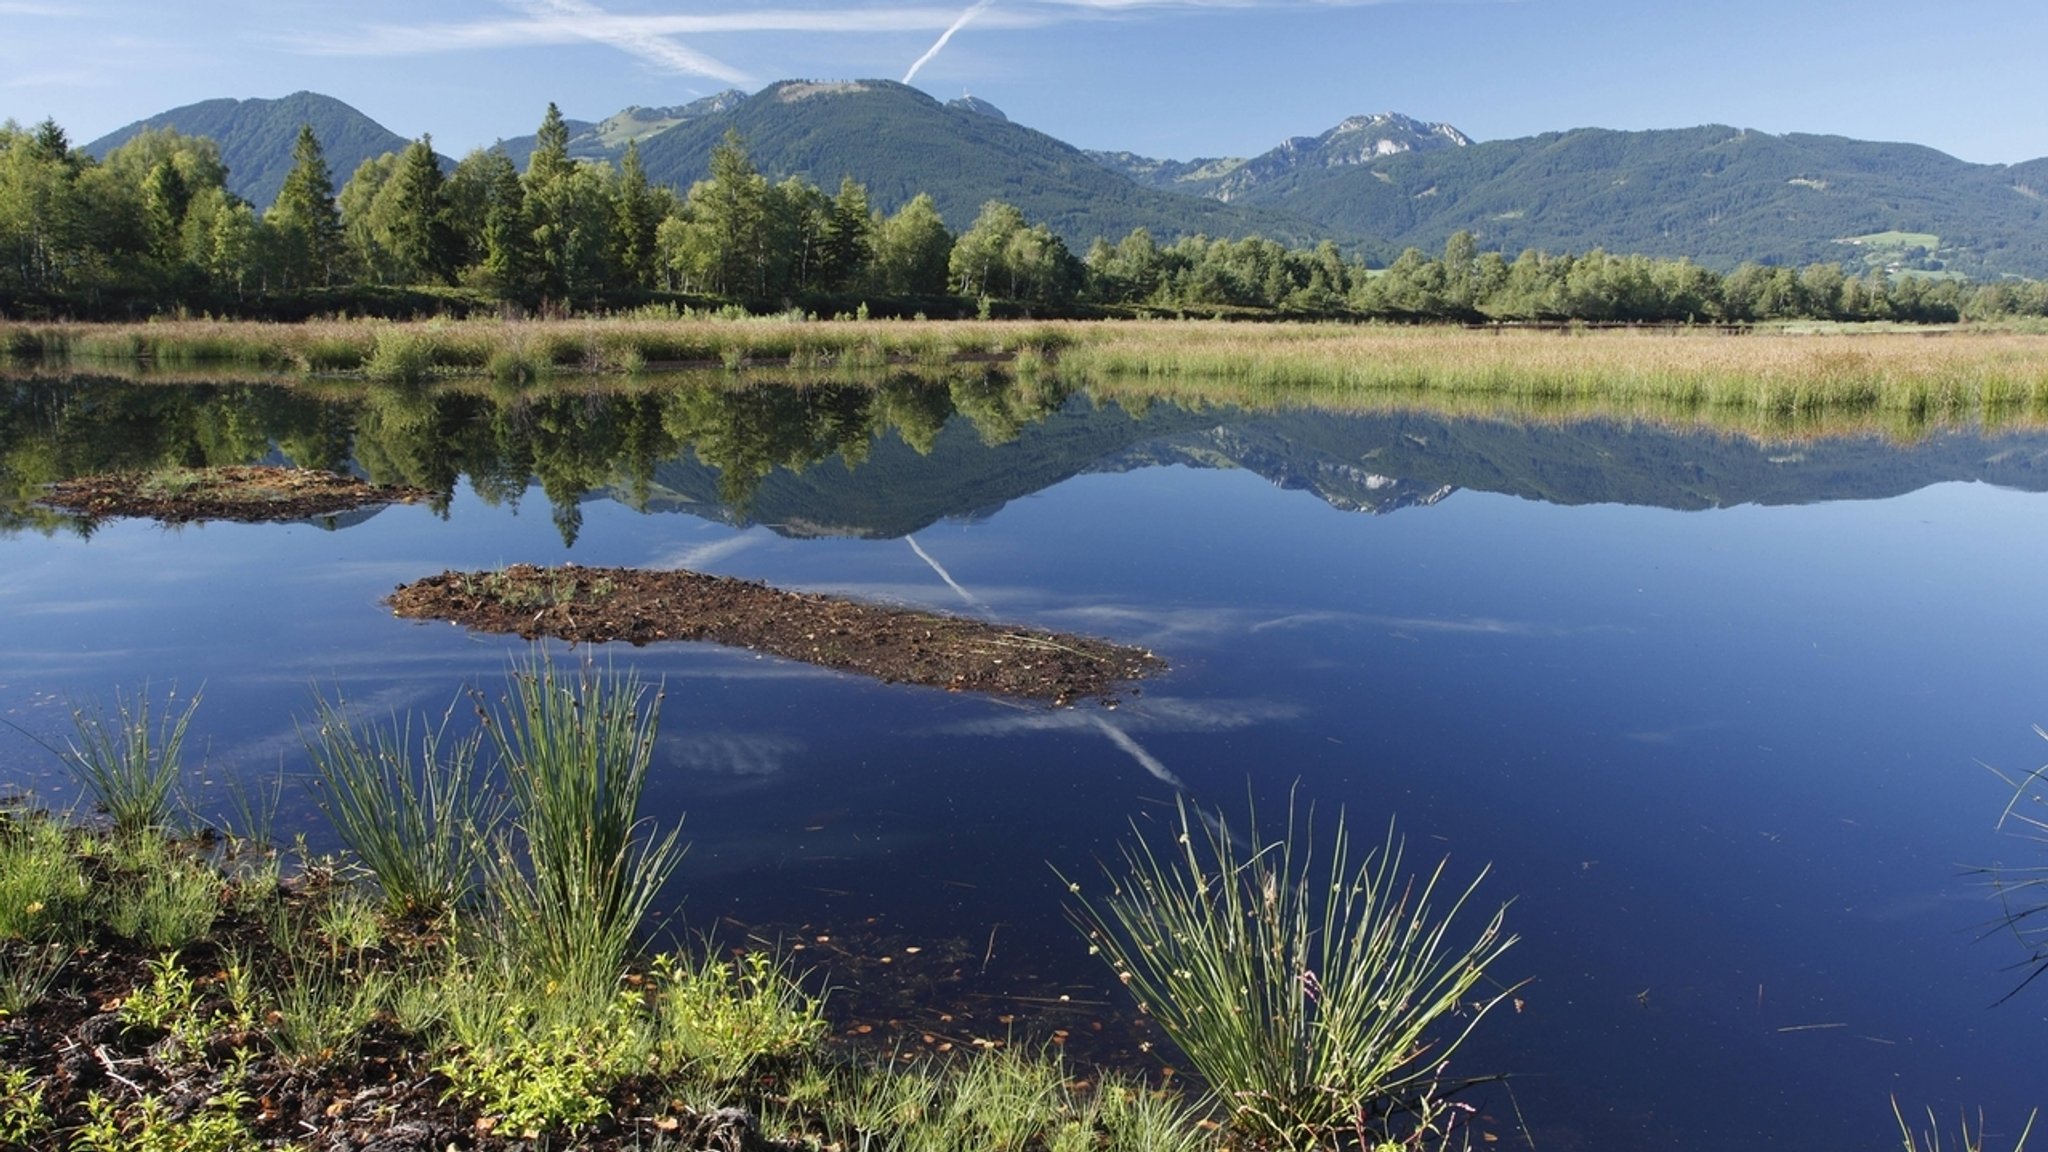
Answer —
1318 997
129 766
412 810
575 748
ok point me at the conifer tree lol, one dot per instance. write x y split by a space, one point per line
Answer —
307 222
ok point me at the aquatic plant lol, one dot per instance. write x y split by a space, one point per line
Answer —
1929 1139
2022 889
128 766
1316 997
581 869
410 809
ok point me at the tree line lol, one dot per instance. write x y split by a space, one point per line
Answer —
155 228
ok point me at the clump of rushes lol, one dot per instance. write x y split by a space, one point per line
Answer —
1316 996
410 809
128 766
575 748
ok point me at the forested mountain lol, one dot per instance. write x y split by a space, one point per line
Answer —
606 139
1358 140
1716 194
256 137
899 142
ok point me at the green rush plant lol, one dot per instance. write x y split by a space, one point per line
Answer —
411 810
43 890
128 766
575 748
1318 994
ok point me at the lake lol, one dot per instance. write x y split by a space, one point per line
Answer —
1715 709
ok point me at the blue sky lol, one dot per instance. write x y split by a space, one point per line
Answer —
1170 78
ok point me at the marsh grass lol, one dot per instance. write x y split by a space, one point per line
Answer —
412 809
321 1004
44 890
1320 998
2022 889
160 892
1929 1139
27 973
128 766
577 876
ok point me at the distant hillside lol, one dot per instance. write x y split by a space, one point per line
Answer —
899 142
606 139
1719 195
256 138
1716 194
1359 140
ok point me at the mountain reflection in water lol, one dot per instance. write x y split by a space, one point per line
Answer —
1709 698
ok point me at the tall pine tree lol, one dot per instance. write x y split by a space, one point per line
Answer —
307 224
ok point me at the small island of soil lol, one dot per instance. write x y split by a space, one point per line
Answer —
252 494
896 645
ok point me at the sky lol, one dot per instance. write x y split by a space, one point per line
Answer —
1166 78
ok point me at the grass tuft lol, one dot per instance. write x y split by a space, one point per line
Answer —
411 810
127 766
1319 998
576 748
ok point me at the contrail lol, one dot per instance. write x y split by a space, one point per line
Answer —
978 8
1136 751
978 604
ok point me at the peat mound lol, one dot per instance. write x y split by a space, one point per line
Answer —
248 494
892 644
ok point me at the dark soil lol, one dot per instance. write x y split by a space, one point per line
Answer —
247 494
896 645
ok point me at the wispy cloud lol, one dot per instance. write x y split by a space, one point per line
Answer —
1153 714
976 9
11 8
656 48
700 556
730 753
652 37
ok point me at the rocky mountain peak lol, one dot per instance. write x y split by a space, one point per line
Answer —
978 106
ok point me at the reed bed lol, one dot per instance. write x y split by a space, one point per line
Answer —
1956 373
513 349
1772 382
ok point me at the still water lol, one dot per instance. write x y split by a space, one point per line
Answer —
1715 710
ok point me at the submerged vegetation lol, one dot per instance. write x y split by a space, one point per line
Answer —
162 989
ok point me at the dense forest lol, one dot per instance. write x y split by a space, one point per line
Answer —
153 228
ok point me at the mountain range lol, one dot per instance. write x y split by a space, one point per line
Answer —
1376 183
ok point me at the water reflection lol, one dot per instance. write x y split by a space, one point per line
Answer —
888 458
1725 756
